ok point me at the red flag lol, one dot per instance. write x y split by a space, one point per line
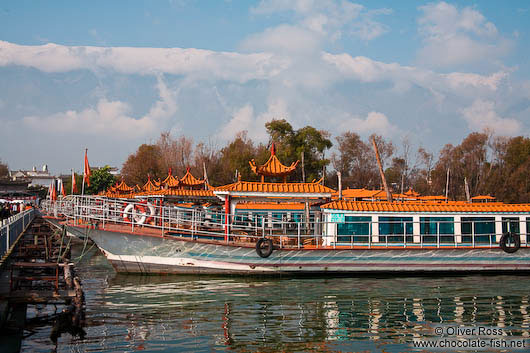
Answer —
86 172
50 190
74 185
62 188
54 192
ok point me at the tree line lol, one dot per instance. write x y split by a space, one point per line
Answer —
490 165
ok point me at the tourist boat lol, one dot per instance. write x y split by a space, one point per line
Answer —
186 226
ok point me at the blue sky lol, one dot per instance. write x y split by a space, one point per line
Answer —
112 75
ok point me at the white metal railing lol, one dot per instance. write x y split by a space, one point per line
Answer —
292 231
12 227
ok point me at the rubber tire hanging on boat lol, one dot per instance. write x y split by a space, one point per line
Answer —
265 251
503 243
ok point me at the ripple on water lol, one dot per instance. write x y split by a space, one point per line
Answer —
187 313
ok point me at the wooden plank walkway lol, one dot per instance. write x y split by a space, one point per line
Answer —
39 271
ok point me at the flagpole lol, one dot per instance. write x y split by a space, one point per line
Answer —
72 172
84 173
83 187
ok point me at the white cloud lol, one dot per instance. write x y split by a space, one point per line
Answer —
203 64
243 119
375 122
481 115
453 37
367 70
283 39
328 18
109 118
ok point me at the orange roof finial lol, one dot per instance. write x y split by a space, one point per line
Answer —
273 149
170 172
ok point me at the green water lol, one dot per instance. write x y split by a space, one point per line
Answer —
204 314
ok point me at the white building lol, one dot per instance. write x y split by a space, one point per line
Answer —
37 177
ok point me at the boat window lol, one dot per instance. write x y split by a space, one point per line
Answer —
527 230
510 224
478 225
395 225
354 225
437 225
482 227
296 217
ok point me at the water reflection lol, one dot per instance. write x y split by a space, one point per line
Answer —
127 313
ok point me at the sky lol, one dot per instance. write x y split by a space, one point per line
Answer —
111 75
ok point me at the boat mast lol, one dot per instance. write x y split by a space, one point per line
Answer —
388 193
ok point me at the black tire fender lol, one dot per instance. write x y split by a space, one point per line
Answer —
516 239
264 247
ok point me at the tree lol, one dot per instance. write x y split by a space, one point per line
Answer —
235 156
68 183
292 143
395 173
100 180
142 164
207 156
421 174
356 162
508 173
466 161
4 170
175 153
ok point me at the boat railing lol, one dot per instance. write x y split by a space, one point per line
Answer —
286 230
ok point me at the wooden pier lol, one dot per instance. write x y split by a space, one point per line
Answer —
39 271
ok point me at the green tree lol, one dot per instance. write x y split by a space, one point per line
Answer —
100 180
68 184
292 143
235 156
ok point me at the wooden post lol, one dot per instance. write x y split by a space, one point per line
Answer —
447 186
383 179
206 182
468 196
339 175
303 168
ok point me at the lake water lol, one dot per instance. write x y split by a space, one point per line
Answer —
126 313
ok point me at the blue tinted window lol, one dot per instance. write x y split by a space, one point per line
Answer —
395 225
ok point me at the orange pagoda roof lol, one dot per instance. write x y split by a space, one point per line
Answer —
150 186
273 167
275 188
179 192
483 197
411 193
121 188
359 193
426 207
296 206
189 180
171 181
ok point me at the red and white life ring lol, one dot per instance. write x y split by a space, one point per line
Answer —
138 213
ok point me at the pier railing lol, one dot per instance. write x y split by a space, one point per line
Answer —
292 229
12 227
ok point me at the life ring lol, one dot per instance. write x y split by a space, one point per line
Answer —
516 239
152 211
137 213
264 247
